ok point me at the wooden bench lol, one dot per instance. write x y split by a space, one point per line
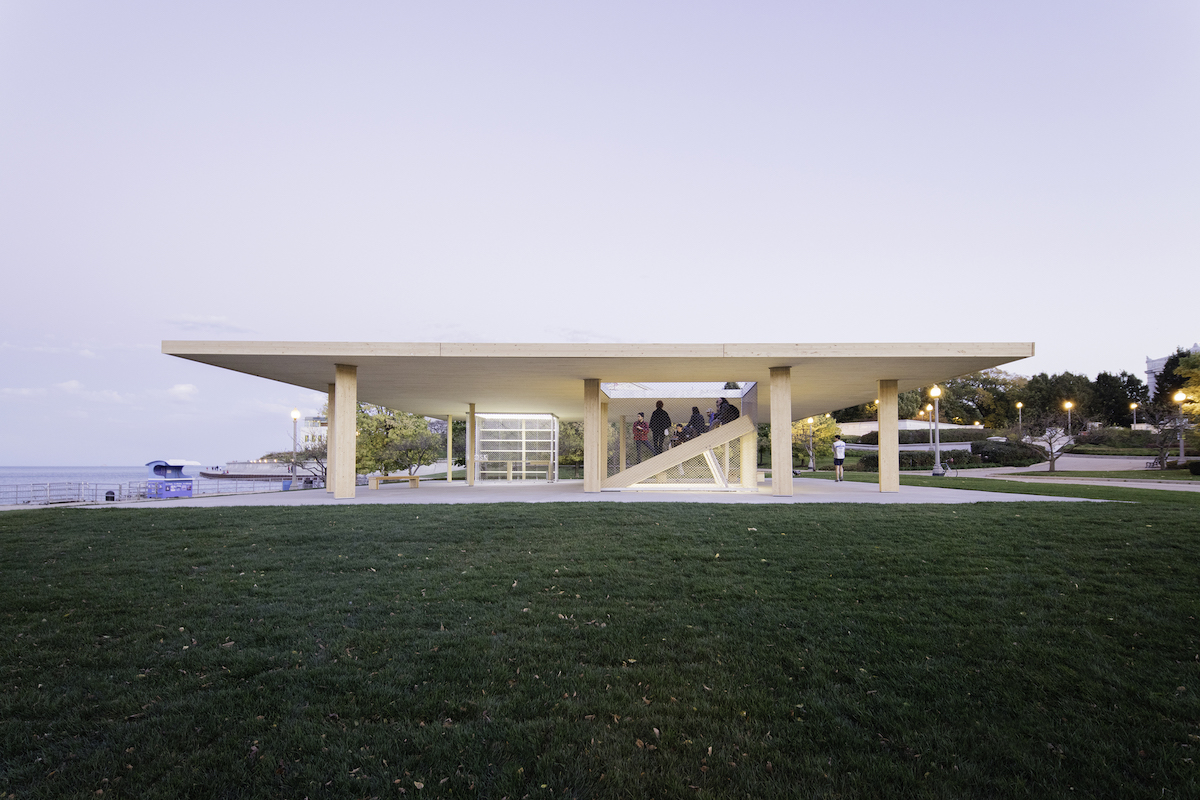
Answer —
1155 464
413 480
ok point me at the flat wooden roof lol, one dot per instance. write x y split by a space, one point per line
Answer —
436 379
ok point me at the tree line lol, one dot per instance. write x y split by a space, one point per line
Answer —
991 396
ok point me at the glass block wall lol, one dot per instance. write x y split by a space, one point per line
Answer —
516 447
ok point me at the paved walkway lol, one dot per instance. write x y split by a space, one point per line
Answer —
571 491
1129 471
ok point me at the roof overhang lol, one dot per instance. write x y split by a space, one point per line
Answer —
436 379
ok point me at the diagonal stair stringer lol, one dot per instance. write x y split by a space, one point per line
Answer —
680 453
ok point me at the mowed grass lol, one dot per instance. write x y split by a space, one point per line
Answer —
603 650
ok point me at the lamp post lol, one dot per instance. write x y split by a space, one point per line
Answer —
1067 405
295 420
1020 432
1179 398
935 393
929 410
1133 408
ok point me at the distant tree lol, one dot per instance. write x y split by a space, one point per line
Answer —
1112 394
1165 426
1169 381
1189 370
866 412
1048 428
459 442
987 396
570 442
414 449
1048 393
388 440
311 460
823 429
907 405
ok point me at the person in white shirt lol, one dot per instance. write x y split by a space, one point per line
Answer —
839 458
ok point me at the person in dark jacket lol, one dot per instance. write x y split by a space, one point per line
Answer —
697 423
726 412
660 421
641 436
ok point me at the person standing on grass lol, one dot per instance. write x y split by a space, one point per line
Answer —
641 436
839 457
660 421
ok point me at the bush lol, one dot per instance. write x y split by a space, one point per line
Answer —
1115 437
922 437
921 460
983 454
1194 467
1007 453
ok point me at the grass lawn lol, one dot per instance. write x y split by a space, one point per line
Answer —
605 650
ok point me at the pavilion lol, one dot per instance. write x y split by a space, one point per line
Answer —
450 380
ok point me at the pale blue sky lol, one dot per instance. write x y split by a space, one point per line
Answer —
547 171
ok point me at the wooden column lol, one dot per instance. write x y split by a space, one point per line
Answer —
330 428
889 437
749 460
781 432
449 448
605 436
346 405
471 444
592 446
621 446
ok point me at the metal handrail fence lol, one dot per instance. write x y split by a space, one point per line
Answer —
69 492
88 492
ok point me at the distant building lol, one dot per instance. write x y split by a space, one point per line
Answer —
314 430
1154 368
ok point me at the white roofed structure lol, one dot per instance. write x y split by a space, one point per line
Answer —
453 379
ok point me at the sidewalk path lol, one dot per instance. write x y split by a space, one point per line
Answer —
571 491
1129 471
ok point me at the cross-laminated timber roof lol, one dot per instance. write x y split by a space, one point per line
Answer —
437 379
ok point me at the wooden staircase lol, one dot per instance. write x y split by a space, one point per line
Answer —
702 445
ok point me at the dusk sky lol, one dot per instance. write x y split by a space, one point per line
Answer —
572 172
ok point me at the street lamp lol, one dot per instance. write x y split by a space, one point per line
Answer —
1179 398
1133 408
935 393
295 420
1067 405
1020 433
929 410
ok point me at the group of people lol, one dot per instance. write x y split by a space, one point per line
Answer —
652 436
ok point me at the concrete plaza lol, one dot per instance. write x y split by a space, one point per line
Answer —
571 491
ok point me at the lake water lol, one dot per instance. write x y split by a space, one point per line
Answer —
10 476
17 475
